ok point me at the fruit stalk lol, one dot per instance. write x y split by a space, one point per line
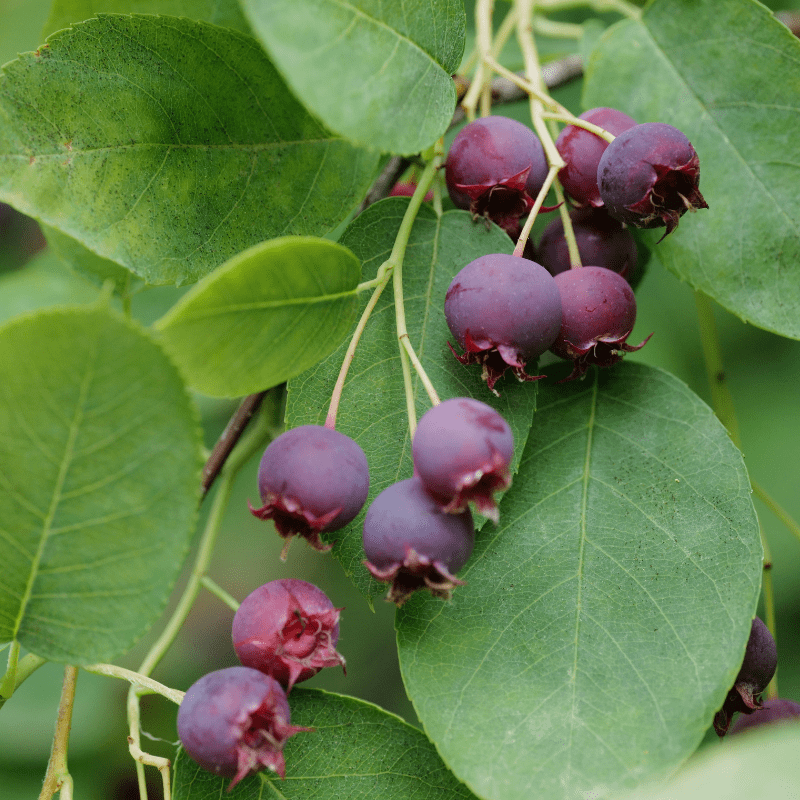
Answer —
57 777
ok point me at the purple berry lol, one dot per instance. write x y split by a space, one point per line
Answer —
777 709
599 312
582 149
311 479
412 543
234 722
495 168
462 449
649 176
602 241
504 311
288 629
758 666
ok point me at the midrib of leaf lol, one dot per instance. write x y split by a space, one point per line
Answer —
584 501
679 77
66 461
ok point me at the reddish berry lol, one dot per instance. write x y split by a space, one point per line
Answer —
495 168
412 543
311 479
758 666
287 629
649 176
504 311
462 449
582 149
776 709
234 722
599 312
601 239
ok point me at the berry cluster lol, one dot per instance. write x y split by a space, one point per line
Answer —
235 721
504 310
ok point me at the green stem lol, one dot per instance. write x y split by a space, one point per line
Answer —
483 44
769 603
620 6
141 683
10 678
581 123
219 592
569 232
57 776
557 30
26 666
526 230
776 509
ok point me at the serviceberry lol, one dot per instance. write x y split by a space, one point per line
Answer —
776 709
649 175
234 722
582 149
287 629
412 543
602 241
495 168
311 479
599 312
462 449
504 311
758 666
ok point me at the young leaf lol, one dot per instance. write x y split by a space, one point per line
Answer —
377 73
99 447
200 150
735 92
264 316
373 406
356 750
605 619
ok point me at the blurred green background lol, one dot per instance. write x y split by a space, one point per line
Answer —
764 374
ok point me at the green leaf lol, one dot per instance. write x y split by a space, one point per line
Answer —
99 447
604 620
734 90
200 150
357 750
377 73
373 406
264 316
225 13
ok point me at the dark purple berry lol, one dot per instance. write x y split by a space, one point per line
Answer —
234 722
777 709
649 176
758 666
311 479
602 241
582 149
504 311
495 168
287 629
462 449
412 543
599 312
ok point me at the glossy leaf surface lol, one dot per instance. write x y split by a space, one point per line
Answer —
604 620
200 151
735 92
377 73
99 481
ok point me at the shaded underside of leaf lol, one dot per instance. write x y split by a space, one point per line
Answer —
734 90
606 617
373 406
264 317
377 73
99 447
356 750
195 149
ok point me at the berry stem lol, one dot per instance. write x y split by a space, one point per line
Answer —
569 232
620 6
26 666
481 88
219 592
581 123
9 682
557 30
57 777
776 509
527 87
141 683
526 230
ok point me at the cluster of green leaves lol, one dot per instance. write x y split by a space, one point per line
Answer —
216 145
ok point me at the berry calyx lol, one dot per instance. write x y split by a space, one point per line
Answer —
234 722
649 176
504 311
581 150
462 449
776 709
287 629
602 241
599 310
411 543
311 479
495 168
